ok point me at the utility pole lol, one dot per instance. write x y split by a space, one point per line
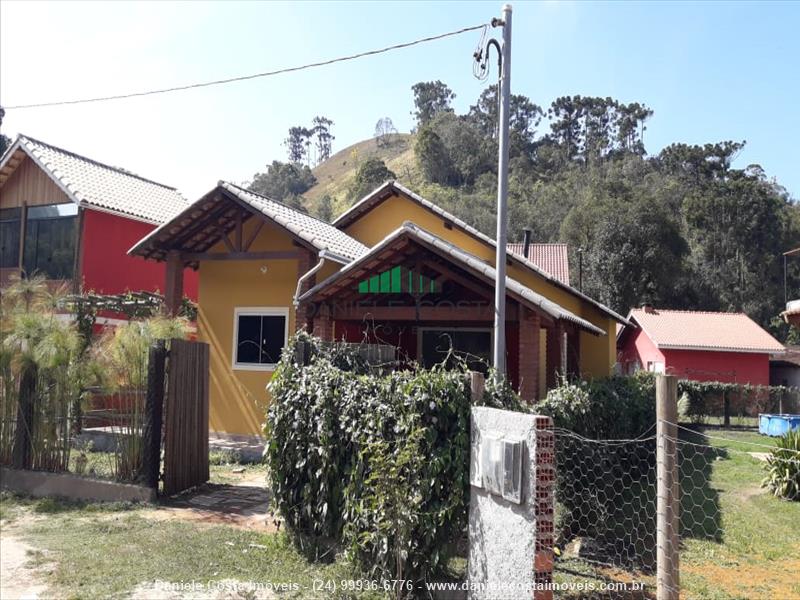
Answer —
499 354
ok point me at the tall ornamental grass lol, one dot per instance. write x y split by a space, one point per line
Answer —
41 376
120 358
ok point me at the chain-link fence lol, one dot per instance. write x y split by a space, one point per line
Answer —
683 509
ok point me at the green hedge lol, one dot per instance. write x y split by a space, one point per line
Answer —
379 462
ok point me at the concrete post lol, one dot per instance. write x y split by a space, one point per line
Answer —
668 488
511 534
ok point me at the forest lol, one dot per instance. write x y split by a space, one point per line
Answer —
679 229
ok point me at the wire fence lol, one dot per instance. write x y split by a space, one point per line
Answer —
730 536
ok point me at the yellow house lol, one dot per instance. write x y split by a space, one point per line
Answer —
393 269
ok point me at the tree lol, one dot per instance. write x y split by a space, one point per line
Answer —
430 99
282 180
325 209
296 202
433 158
384 129
470 152
322 130
524 118
635 254
5 141
370 174
297 143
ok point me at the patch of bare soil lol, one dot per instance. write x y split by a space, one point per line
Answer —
245 504
745 494
226 589
260 522
18 581
775 579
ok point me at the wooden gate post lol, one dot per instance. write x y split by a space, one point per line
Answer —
153 415
668 490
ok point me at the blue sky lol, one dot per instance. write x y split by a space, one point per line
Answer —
710 71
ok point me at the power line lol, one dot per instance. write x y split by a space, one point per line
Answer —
253 76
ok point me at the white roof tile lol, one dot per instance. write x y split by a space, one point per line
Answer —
319 234
91 183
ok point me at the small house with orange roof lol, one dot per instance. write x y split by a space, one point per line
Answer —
696 345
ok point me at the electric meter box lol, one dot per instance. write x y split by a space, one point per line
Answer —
496 466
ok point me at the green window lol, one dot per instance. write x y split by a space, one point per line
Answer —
398 280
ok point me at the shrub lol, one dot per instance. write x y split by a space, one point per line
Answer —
783 467
377 461
587 472
608 408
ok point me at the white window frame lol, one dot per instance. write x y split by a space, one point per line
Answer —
257 311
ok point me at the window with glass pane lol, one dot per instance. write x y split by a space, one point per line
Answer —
50 236
9 237
260 338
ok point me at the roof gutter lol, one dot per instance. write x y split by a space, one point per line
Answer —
323 254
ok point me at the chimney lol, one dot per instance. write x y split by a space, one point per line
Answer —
526 244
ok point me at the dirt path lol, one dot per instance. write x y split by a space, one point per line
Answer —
17 581
243 502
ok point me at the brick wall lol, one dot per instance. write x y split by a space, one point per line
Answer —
528 355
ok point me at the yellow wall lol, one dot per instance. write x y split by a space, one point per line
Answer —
238 398
598 354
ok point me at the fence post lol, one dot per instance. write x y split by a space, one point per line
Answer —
476 386
153 415
726 409
668 490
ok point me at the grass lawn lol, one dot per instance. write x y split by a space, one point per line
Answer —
758 553
106 551
738 541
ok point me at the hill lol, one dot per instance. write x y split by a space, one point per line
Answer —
335 174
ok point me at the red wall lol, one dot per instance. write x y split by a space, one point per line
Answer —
638 349
698 365
731 367
107 269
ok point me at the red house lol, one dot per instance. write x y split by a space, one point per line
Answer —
74 219
703 346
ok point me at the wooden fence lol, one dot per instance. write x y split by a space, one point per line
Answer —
186 417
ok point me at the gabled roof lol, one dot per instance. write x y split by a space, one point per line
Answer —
316 232
391 188
94 184
550 258
696 330
465 260
181 232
